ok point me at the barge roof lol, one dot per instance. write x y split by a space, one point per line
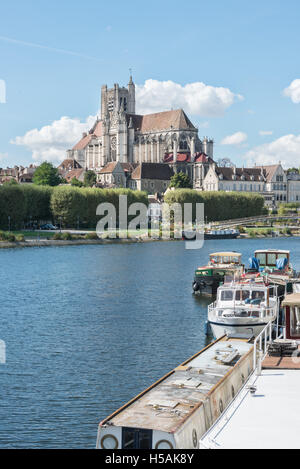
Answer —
169 402
228 254
291 300
269 419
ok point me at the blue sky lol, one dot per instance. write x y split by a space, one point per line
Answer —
56 55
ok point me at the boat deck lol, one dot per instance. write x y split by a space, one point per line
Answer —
282 363
169 402
268 419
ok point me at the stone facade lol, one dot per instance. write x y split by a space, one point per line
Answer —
270 181
122 136
20 174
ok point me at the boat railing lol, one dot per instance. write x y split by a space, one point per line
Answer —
262 341
263 311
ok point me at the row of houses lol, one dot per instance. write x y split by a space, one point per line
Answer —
272 181
20 174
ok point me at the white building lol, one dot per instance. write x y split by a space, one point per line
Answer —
269 181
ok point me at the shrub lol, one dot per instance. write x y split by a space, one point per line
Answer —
219 205
91 235
57 236
67 236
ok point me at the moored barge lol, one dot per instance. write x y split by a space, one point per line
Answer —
208 278
179 408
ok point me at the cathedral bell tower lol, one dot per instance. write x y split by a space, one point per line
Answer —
117 99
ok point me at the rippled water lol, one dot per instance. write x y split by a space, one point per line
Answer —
88 327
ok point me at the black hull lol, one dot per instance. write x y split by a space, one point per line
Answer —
206 285
228 236
192 237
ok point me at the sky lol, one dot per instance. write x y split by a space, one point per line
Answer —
232 66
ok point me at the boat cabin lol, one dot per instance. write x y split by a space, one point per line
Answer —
291 305
273 259
225 258
178 409
252 300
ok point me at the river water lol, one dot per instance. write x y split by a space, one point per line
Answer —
87 328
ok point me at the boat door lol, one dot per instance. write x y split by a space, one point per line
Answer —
136 438
292 322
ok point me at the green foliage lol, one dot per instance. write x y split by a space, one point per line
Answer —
90 178
67 204
91 235
46 175
24 203
71 203
11 182
287 208
57 236
13 205
181 181
8 237
76 182
37 200
219 205
294 170
67 236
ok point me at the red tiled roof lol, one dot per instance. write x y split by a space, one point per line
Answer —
96 131
186 158
75 173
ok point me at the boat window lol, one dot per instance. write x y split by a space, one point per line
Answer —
226 295
258 295
282 256
261 256
136 438
295 321
255 314
242 295
128 438
271 259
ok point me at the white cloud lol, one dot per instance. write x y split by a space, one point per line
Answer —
51 141
285 149
265 132
235 139
195 98
293 91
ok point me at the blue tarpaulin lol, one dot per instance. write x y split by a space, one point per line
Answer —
254 263
281 263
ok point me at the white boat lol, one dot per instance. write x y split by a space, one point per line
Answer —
243 308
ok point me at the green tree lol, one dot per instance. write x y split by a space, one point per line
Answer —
76 182
46 175
181 181
90 178
10 182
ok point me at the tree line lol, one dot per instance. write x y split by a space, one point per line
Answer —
219 205
22 206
